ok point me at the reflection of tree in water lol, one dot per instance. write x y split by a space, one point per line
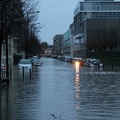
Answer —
4 104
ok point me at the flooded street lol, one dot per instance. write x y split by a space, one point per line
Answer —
58 90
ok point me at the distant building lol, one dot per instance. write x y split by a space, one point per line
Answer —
48 51
92 10
57 44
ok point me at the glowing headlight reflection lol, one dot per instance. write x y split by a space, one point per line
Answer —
77 63
77 66
77 82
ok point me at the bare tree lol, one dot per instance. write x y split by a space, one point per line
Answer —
30 14
10 15
15 21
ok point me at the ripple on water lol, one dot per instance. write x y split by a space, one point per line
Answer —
99 96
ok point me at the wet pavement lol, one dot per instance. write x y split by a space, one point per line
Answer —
58 90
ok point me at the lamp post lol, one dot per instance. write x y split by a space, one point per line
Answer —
27 33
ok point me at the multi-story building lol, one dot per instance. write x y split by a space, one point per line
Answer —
57 44
93 10
68 42
48 51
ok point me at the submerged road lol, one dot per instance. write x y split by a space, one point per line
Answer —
60 91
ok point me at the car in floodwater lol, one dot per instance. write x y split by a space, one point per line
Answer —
93 62
37 62
25 63
78 60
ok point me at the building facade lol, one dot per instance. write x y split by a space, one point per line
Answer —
57 44
10 52
48 51
14 54
68 42
91 9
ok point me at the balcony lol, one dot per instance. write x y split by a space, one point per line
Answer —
78 36
79 46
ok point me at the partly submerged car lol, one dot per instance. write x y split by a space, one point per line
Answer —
93 62
78 60
37 62
33 58
25 63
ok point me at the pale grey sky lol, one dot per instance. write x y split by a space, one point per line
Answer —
56 16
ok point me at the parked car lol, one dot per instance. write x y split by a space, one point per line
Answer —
93 62
67 58
59 57
80 60
33 58
88 61
25 63
37 62
63 58
54 56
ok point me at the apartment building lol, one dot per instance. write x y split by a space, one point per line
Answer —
68 42
57 44
93 10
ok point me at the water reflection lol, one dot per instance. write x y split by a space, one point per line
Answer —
4 102
62 92
77 67
77 85
99 95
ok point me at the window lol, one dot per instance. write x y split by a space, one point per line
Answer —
97 7
81 7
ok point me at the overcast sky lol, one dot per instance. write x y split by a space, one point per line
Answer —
56 16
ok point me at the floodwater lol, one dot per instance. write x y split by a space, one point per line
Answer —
58 90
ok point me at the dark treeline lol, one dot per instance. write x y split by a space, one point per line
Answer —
103 34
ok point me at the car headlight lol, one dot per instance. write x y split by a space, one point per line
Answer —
77 63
